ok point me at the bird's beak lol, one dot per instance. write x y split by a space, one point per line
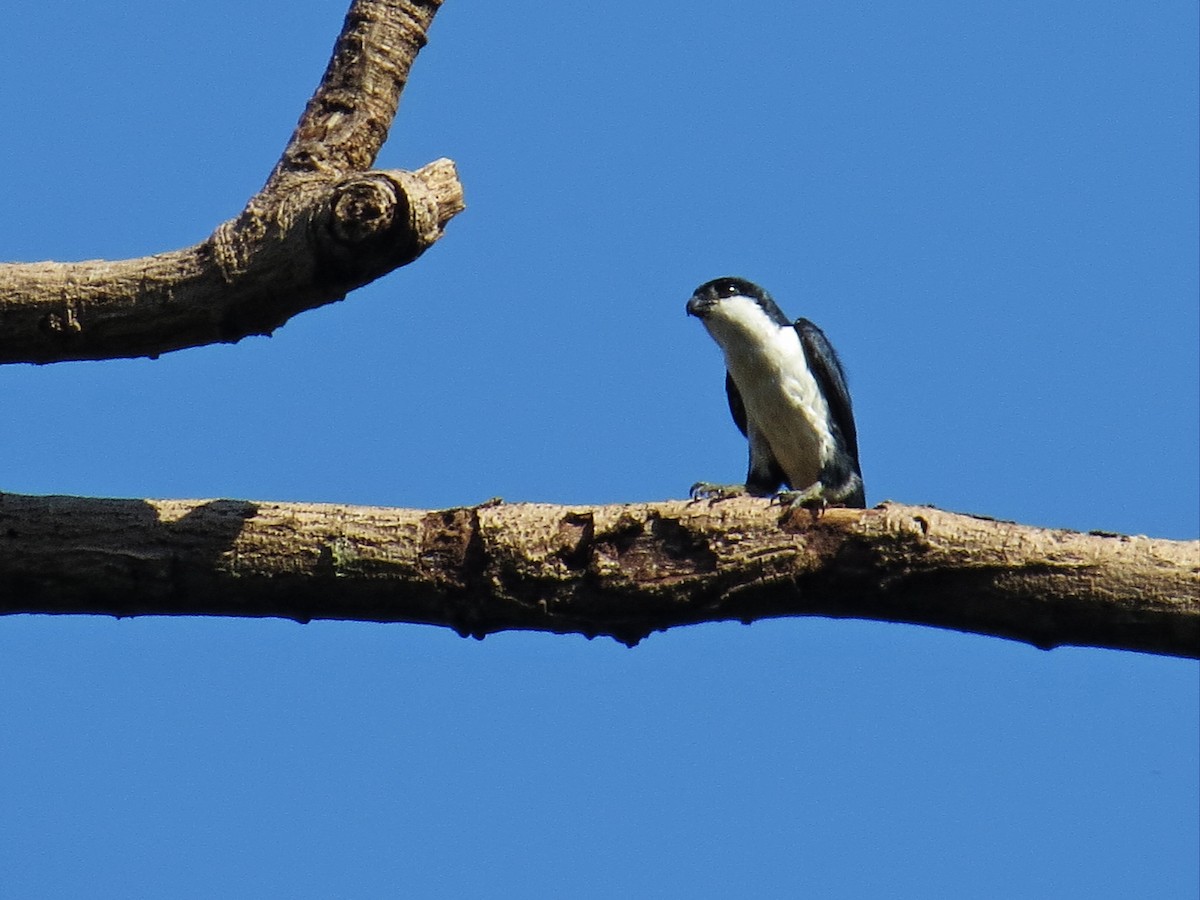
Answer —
698 306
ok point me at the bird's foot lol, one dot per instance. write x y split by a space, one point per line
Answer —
706 490
811 498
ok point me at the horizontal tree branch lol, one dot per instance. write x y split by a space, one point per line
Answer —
322 225
623 571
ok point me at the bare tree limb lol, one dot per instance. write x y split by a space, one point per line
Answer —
623 571
347 120
321 226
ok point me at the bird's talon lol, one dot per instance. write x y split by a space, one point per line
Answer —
812 499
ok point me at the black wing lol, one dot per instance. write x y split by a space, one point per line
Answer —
827 368
736 406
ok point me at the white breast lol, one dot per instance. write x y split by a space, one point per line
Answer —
781 395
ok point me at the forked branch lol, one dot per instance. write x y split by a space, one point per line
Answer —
322 225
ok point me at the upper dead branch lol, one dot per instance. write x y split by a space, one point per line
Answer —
322 225
347 120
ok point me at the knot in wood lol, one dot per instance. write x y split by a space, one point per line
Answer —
63 323
365 208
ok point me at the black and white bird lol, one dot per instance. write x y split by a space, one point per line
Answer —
788 395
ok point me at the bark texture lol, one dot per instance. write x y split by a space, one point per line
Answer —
322 225
623 571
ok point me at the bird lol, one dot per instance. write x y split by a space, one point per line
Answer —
788 395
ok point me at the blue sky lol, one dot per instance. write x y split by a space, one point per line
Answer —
991 210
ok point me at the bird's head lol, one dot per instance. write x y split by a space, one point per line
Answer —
732 307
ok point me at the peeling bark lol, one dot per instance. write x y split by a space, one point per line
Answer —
622 571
